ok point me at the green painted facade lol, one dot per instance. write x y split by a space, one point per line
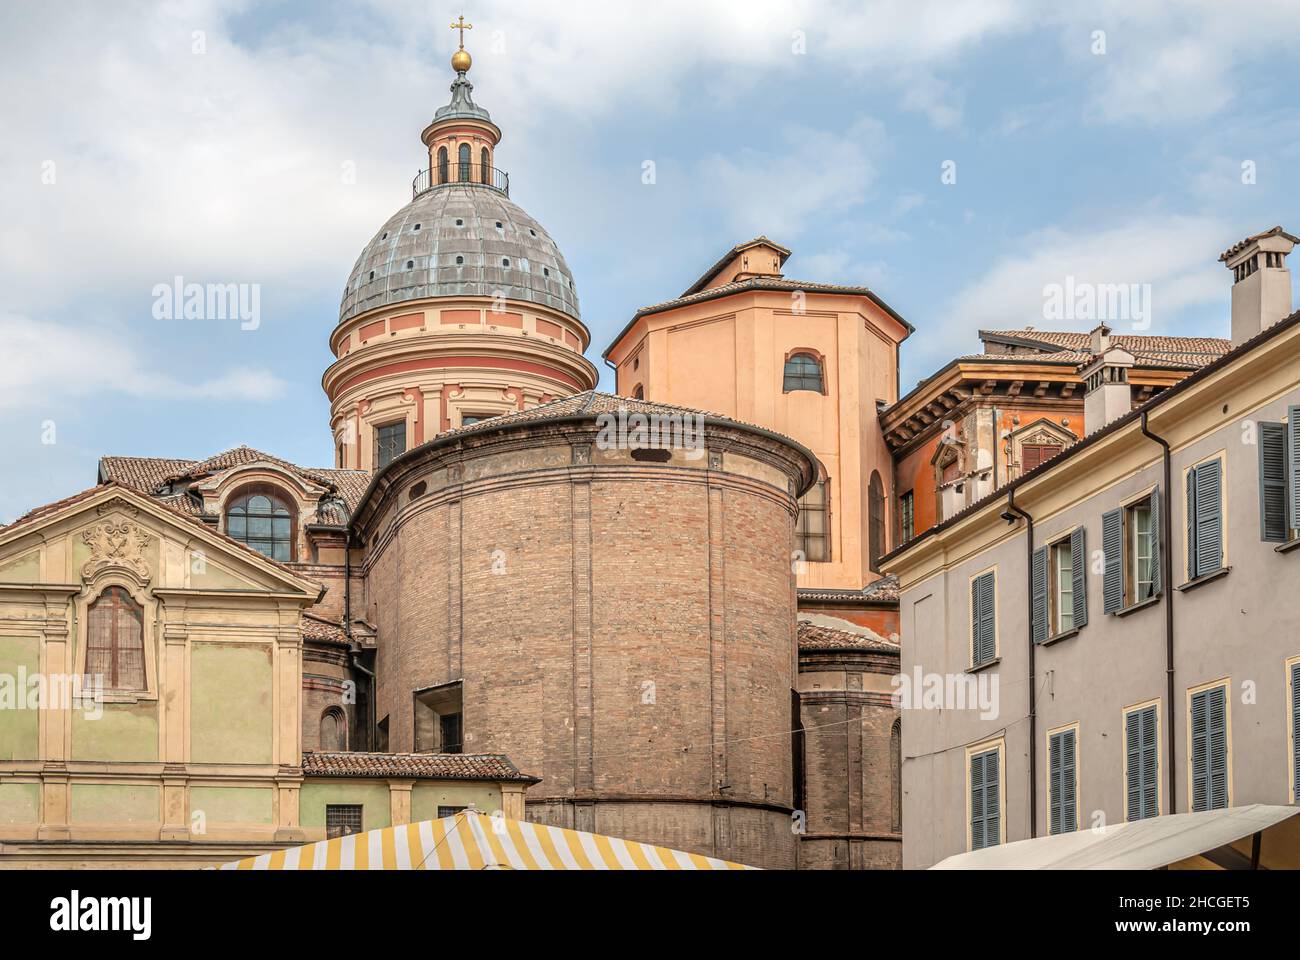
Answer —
426 798
233 805
19 726
373 797
231 715
115 803
20 802
124 731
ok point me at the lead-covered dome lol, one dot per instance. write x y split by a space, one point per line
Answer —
460 239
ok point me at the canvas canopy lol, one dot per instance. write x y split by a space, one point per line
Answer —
1137 845
472 841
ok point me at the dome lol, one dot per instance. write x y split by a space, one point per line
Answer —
460 240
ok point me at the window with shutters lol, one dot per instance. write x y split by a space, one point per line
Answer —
907 517
803 371
984 795
1062 779
1131 559
115 642
1033 454
1293 710
342 819
390 443
1205 519
812 527
1207 720
983 618
1059 603
1142 761
1279 478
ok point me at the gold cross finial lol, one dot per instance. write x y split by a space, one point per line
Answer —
462 26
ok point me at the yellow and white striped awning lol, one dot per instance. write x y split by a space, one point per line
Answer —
471 841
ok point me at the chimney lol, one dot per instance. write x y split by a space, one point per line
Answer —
1261 282
1107 396
1100 339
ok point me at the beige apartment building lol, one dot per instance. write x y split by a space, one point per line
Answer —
1131 604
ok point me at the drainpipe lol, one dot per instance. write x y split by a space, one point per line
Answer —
1167 578
354 650
1011 513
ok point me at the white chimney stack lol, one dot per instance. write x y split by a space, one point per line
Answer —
1261 282
1107 394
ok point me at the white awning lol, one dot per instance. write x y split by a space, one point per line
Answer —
1140 845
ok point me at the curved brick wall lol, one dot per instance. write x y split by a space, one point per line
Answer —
610 618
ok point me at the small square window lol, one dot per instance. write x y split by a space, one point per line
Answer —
342 819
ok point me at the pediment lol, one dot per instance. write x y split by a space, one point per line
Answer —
113 531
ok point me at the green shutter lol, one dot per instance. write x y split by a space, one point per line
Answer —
1157 545
1038 618
1054 783
1140 746
1061 765
985 802
1078 572
1112 548
1272 481
1207 552
1209 750
1133 765
1150 764
983 636
1295 731
1293 465
978 840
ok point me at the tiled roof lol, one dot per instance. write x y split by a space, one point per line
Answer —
148 474
321 630
239 456
420 766
730 255
189 516
591 403
1066 346
145 474
1241 244
1061 460
753 283
814 636
884 590
36 513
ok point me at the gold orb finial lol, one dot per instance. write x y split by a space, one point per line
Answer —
460 60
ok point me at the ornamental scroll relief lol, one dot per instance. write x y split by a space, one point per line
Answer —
117 543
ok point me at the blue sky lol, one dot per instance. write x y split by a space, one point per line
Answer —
264 144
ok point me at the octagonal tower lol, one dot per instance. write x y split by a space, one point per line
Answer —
460 308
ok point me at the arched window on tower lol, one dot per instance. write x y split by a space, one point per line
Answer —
463 172
264 522
803 371
333 730
442 164
485 168
638 392
876 513
115 641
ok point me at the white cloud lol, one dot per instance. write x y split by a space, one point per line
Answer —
48 364
1177 256
781 194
